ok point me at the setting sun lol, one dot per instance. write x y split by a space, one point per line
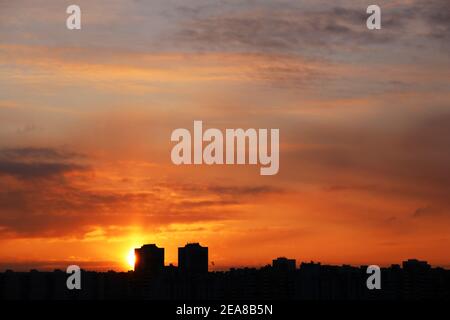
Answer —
131 258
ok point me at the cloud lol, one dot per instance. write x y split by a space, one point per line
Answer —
37 163
60 209
46 194
235 192
344 188
319 31
347 161
206 203
36 170
262 26
289 28
435 14
405 160
430 212
32 153
244 190
55 209
423 211
146 72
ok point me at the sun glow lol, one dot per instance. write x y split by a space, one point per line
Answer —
131 258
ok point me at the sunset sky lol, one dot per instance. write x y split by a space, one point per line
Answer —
86 118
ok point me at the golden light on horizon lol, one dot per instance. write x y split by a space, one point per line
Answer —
131 258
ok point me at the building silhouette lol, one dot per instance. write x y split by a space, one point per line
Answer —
193 259
149 259
284 264
413 280
416 281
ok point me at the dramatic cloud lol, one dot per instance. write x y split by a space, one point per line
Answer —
435 14
36 170
36 163
282 30
290 27
31 153
48 200
86 118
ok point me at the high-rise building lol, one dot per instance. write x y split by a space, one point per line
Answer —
149 259
193 258
284 264
415 265
416 279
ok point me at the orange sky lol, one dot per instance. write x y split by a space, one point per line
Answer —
86 118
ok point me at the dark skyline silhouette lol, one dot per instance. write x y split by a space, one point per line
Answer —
281 280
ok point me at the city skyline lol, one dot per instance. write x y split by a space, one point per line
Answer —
210 265
279 281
